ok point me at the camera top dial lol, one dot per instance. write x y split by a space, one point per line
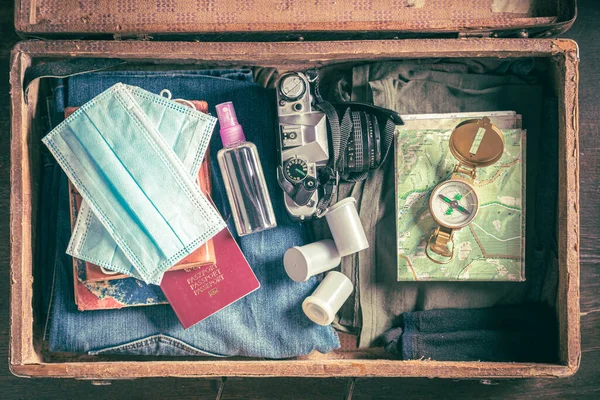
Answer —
292 87
295 169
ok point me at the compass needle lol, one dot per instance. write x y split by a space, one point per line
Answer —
447 200
463 210
454 203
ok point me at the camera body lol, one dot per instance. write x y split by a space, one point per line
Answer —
322 143
303 145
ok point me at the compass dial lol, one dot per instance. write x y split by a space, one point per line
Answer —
453 203
292 87
296 170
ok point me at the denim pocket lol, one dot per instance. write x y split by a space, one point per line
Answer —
155 345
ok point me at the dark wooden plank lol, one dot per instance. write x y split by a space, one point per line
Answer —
586 33
590 286
585 384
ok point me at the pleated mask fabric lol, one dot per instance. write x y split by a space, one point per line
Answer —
120 150
187 134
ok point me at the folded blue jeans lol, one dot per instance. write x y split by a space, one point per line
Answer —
267 323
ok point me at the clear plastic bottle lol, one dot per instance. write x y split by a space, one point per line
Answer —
243 176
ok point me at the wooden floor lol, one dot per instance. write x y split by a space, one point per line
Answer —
585 384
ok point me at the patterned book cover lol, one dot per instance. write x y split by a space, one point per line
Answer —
491 248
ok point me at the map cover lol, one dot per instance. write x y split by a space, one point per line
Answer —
491 248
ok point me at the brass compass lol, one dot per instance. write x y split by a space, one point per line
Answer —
454 203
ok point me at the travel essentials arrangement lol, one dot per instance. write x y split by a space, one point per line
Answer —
443 177
291 207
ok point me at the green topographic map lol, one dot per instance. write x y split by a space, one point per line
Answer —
491 248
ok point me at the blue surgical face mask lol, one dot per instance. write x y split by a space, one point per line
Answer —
187 134
133 181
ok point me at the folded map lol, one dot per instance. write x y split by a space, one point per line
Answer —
491 248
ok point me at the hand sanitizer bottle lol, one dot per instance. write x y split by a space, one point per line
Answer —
243 176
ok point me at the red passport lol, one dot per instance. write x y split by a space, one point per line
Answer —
198 293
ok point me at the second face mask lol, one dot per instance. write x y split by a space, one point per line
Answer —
134 183
187 134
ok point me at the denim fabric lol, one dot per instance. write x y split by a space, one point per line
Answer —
267 323
46 235
46 218
517 333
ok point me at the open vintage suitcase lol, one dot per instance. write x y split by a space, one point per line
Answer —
288 35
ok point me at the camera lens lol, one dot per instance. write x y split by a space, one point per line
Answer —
370 142
377 141
363 151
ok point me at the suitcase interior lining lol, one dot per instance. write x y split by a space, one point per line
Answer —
37 94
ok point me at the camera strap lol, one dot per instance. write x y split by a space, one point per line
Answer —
329 177
340 134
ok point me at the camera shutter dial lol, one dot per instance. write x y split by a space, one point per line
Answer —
296 170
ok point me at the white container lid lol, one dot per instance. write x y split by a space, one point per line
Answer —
328 298
296 264
318 311
305 261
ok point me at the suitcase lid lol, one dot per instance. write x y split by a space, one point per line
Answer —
288 19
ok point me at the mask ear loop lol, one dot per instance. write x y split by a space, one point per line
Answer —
108 272
189 103
168 94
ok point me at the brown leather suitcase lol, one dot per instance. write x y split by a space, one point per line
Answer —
288 35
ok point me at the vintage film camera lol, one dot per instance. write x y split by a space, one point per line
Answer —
303 144
320 143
